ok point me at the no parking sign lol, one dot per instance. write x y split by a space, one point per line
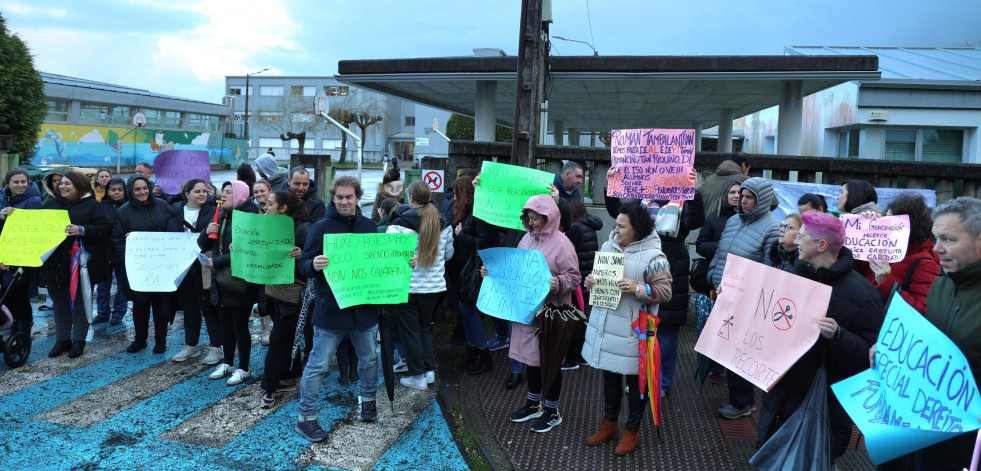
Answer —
434 178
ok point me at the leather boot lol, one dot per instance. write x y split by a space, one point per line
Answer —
514 379
628 443
608 430
160 344
353 369
78 346
469 359
482 364
61 346
343 368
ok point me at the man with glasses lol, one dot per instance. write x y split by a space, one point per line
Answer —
854 317
331 323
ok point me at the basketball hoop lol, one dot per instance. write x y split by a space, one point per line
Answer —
428 131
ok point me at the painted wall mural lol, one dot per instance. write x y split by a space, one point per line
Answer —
100 146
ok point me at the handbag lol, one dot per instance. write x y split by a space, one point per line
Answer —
223 275
698 276
291 293
470 280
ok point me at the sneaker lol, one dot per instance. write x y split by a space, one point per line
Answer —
369 411
237 377
222 371
715 377
187 352
401 366
268 400
288 385
310 429
730 412
100 318
498 343
430 377
215 355
570 365
415 382
546 422
526 413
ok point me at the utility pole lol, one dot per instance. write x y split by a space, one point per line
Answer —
530 64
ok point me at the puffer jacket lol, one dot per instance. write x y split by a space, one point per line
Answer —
750 235
386 190
561 258
90 214
715 186
715 223
583 237
29 199
781 258
426 279
224 259
924 273
611 342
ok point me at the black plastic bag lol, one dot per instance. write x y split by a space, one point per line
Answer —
804 441
469 288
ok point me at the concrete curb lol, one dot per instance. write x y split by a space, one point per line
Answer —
476 422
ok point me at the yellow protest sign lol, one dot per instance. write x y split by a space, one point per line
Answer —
30 235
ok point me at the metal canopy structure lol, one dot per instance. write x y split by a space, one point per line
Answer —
599 93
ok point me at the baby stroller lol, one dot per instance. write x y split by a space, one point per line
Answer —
17 347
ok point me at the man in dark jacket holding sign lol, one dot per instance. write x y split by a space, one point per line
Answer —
331 323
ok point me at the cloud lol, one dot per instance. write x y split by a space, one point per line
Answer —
30 10
201 140
93 136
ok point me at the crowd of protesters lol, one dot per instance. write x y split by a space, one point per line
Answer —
939 276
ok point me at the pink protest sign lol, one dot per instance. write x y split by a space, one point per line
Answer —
886 236
763 320
652 163
174 167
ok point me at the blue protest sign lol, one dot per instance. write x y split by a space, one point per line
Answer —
920 392
516 283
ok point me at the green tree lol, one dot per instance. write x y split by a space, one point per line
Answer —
22 103
461 128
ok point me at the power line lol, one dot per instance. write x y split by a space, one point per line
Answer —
590 19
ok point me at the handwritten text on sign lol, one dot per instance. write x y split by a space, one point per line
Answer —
886 236
369 268
156 262
652 163
503 191
920 392
763 321
30 235
174 167
261 245
516 284
607 270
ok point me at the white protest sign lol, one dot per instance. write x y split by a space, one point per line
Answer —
156 262
873 237
607 270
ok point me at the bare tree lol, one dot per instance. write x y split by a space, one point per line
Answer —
292 119
362 110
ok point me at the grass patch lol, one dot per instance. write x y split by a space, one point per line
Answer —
477 462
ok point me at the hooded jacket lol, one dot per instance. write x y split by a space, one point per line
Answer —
90 214
50 191
426 279
715 223
562 262
858 309
749 235
392 189
925 272
583 237
221 256
326 313
716 185
611 341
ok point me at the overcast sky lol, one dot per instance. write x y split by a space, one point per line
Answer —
187 47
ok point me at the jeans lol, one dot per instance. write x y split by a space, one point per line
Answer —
325 343
667 338
473 327
741 391
102 293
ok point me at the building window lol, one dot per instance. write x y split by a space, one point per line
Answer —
925 145
270 90
203 122
121 115
238 90
330 143
270 116
57 111
299 90
336 91
163 119
848 143
410 120
93 113
900 144
277 143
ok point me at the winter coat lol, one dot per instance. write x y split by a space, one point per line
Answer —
191 285
224 260
715 223
561 258
567 196
781 258
426 279
153 215
954 307
301 230
29 199
714 187
611 341
90 214
326 313
583 237
924 273
858 309
391 189
475 234
749 235
277 182
315 206
382 225
50 191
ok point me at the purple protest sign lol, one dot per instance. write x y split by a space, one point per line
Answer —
652 163
174 167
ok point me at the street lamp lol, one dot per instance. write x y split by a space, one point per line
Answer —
595 52
247 93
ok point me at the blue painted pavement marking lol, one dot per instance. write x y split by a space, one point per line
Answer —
426 445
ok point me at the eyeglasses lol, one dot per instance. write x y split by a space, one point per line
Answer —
787 227
800 237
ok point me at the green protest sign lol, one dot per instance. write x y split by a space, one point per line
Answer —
369 268
503 191
261 245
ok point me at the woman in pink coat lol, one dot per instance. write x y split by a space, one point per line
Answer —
541 219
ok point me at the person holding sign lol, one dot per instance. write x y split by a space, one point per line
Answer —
331 323
611 341
89 230
540 217
19 192
142 213
427 286
915 272
284 301
855 315
235 296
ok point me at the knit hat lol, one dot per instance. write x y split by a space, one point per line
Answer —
267 165
240 193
